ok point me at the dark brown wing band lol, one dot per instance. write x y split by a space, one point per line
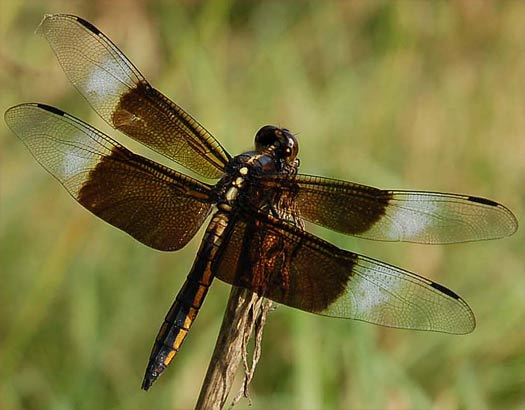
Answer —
156 205
410 216
119 93
290 266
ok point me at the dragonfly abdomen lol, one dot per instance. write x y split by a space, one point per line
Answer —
186 306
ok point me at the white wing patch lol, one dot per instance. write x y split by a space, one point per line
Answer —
103 82
374 295
73 164
412 222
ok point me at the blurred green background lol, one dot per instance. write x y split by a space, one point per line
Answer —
409 95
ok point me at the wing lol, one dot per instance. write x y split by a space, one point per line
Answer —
156 205
119 93
409 216
292 267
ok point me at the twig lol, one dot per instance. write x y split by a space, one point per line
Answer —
261 308
245 311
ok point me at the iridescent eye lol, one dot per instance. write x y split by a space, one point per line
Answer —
265 137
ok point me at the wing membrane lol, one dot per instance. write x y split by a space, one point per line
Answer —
410 216
157 206
121 95
290 266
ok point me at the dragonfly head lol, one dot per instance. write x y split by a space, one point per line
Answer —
280 140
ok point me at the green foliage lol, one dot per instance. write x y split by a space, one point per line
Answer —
411 95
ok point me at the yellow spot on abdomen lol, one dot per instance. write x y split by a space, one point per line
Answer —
169 357
199 296
180 338
190 317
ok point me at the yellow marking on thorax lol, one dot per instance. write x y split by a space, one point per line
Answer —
231 194
233 190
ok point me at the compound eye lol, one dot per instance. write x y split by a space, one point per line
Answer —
292 146
265 137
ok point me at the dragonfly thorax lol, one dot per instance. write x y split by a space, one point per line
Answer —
275 154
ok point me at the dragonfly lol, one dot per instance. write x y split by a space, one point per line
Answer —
255 238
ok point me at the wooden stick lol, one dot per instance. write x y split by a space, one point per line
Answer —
242 312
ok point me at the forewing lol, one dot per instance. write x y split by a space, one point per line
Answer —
121 95
157 206
290 266
409 216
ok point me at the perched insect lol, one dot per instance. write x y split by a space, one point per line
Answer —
255 238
